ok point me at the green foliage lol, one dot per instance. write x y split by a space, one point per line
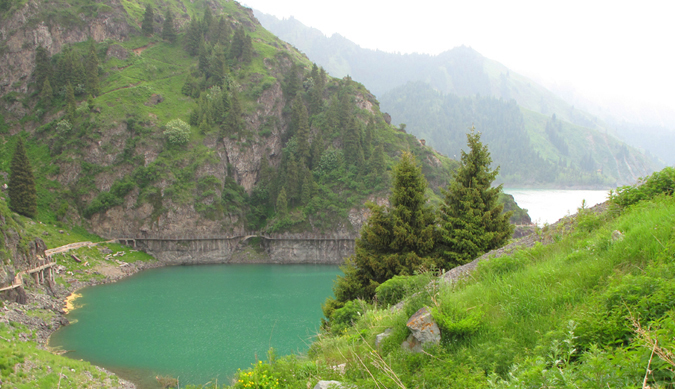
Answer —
470 217
148 18
661 182
344 317
395 289
22 192
177 132
168 30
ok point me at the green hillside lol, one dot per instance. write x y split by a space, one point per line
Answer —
531 148
109 158
584 303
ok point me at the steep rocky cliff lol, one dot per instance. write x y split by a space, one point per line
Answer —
107 162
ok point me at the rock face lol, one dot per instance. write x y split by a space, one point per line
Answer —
22 35
424 330
280 250
329 385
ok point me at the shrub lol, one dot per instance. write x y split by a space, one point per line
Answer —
177 132
395 289
344 317
661 182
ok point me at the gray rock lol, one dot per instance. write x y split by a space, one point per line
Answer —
617 235
329 385
105 250
380 337
424 330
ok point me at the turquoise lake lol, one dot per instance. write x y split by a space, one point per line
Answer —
198 323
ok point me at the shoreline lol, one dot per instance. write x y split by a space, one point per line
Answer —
54 301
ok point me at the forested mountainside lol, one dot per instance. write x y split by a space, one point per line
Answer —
463 73
531 148
205 124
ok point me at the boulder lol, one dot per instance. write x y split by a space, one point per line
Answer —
380 337
424 331
117 51
329 385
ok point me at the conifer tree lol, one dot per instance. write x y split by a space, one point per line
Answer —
470 218
93 85
237 46
395 240
43 67
302 132
352 144
293 181
22 192
148 18
65 68
79 76
168 30
247 50
315 151
221 32
377 165
47 93
292 82
233 123
282 204
307 187
193 37
368 139
71 105
208 18
203 58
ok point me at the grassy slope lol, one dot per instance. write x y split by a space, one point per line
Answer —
549 316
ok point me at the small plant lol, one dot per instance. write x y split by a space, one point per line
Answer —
259 377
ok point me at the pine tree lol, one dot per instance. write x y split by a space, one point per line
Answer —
368 139
64 67
395 240
221 33
237 46
376 165
168 30
43 67
316 151
148 18
247 50
79 80
352 144
302 133
71 105
208 19
233 123
282 204
47 93
93 85
292 82
470 218
22 192
203 58
293 181
193 37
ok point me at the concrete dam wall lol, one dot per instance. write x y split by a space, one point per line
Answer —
282 249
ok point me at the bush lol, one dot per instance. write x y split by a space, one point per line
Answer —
662 182
177 132
395 289
345 317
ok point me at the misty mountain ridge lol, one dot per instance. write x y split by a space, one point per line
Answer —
397 80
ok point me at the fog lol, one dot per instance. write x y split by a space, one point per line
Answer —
612 58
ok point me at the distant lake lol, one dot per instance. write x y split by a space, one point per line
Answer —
196 322
551 205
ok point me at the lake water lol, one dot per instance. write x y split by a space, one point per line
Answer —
550 205
196 322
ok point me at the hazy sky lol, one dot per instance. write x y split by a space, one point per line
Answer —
610 50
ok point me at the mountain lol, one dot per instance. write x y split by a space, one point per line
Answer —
464 73
130 134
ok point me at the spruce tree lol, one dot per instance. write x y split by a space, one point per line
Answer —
352 144
292 82
93 85
395 240
22 192
247 50
470 218
193 37
282 204
47 93
233 123
43 67
148 18
302 133
71 105
237 46
368 139
168 30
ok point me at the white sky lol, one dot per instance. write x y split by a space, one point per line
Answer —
606 50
